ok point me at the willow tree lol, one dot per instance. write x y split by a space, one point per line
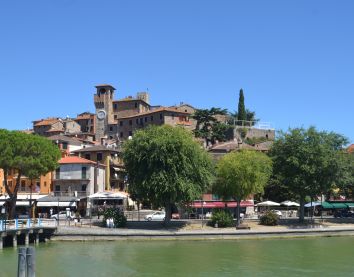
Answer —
29 156
166 166
241 174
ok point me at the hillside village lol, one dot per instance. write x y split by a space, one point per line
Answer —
91 149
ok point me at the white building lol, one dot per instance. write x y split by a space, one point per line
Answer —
79 177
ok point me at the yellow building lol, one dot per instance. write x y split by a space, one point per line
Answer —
43 185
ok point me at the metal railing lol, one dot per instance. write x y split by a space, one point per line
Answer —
20 224
70 194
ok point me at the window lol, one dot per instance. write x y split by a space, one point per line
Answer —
121 134
99 156
45 184
137 121
83 172
141 121
136 105
83 187
130 122
57 173
57 188
130 133
87 156
23 185
110 128
120 123
146 119
65 145
161 116
152 118
115 116
115 106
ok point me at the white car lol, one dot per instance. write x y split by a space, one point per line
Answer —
62 216
156 216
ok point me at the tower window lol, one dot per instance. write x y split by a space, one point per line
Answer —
115 106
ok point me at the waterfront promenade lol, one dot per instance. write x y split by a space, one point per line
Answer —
194 231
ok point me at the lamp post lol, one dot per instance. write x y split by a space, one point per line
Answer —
202 204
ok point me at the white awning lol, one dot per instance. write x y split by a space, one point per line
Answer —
108 195
55 204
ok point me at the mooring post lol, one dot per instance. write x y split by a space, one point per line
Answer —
31 262
37 238
27 238
1 241
14 240
21 271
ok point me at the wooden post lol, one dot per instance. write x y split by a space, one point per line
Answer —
31 262
21 271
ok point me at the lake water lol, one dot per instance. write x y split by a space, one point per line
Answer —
284 257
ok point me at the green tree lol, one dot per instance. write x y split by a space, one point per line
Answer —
240 174
166 166
28 155
208 127
241 112
307 162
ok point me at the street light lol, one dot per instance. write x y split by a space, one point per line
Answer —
203 203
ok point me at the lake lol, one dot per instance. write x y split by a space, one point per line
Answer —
270 257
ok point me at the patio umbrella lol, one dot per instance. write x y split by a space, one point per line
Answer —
290 204
267 204
313 204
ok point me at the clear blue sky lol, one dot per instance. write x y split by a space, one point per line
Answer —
294 59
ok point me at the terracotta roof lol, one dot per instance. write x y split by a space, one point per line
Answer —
75 160
46 122
71 140
54 130
84 116
351 148
163 109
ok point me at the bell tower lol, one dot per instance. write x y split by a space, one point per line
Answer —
104 109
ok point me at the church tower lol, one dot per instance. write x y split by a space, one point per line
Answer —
104 109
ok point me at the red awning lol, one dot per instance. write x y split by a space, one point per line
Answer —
221 204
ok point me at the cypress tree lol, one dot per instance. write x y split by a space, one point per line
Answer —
241 114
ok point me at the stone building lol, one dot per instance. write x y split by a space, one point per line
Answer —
55 126
118 119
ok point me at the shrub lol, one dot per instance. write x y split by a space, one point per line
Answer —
222 218
118 216
269 219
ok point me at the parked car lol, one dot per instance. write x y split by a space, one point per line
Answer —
63 216
160 215
343 213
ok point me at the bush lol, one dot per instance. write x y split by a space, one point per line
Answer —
222 218
118 216
269 219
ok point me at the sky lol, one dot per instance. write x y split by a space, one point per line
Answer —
294 59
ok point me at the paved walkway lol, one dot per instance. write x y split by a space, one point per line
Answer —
195 231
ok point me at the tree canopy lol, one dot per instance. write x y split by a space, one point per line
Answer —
29 155
240 174
166 166
208 127
307 162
